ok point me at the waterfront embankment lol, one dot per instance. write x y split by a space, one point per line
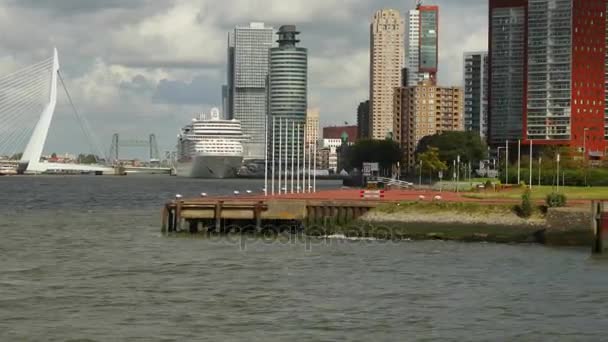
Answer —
399 215
458 221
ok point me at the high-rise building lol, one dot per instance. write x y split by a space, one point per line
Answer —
288 90
476 92
606 81
248 69
507 68
548 73
363 120
312 126
387 53
422 44
423 110
228 89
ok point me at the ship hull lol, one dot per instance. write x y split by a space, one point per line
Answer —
218 167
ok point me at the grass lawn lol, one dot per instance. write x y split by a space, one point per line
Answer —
433 207
539 193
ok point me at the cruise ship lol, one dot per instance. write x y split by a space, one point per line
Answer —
210 147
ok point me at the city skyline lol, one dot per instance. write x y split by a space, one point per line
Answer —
152 67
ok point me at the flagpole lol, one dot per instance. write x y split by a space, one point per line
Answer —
286 157
518 161
309 167
531 170
298 162
273 153
266 158
293 146
280 151
507 163
314 168
304 161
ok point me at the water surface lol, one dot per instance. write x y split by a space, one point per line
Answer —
82 258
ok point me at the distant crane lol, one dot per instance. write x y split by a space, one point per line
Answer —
118 144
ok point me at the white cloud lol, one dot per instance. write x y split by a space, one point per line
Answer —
115 54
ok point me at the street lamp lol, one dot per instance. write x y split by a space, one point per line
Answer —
420 180
500 148
457 173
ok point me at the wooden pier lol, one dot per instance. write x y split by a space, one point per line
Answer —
229 215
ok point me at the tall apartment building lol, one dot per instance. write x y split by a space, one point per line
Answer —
363 120
312 126
288 89
387 54
507 68
246 92
422 110
476 92
548 73
606 81
422 44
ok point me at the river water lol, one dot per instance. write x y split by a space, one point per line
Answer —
81 258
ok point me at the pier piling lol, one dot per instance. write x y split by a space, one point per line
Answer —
600 227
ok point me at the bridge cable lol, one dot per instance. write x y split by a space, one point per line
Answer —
93 144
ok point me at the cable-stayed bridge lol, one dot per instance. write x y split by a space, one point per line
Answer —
28 98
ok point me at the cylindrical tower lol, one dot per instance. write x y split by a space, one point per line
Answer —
288 85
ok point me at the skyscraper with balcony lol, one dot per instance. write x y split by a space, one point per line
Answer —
422 44
288 90
386 63
246 92
548 73
476 92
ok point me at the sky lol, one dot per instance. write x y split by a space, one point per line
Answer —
136 67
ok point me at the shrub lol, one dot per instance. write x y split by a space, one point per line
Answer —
556 200
489 184
526 204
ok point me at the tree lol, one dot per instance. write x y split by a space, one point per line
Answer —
431 162
468 145
54 155
386 153
87 159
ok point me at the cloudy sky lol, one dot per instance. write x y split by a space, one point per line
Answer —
136 67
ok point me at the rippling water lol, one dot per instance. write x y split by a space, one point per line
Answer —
82 259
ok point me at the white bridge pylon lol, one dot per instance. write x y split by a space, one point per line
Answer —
22 95
33 151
